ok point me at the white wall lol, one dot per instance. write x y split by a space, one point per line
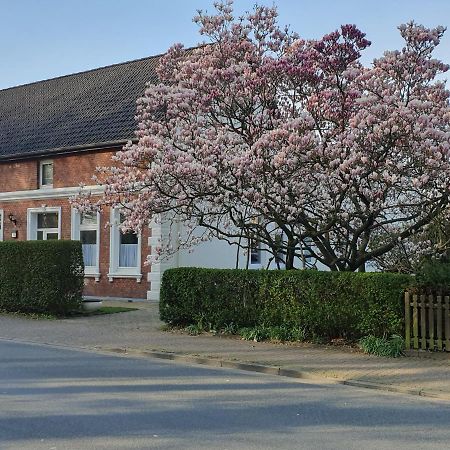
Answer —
212 254
216 254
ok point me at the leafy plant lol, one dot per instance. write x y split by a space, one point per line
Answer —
380 346
230 328
198 327
295 305
434 273
284 333
194 329
257 334
41 276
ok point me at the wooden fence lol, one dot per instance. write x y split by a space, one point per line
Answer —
427 321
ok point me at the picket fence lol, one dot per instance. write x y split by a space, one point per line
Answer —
427 321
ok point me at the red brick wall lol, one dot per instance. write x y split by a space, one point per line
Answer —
119 287
19 210
72 170
18 176
69 171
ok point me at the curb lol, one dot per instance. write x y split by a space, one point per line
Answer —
249 367
246 366
279 371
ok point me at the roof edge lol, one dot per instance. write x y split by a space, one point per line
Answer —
66 150
80 72
159 55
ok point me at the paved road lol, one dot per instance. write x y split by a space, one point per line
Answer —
55 398
140 330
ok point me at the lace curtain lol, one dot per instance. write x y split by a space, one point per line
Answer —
90 255
128 255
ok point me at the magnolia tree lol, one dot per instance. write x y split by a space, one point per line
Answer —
410 254
259 135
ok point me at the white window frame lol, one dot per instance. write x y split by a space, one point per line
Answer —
76 227
255 265
2 224
32 214
41 164
114 241
259 252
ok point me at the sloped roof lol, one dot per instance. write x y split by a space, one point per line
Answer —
83 110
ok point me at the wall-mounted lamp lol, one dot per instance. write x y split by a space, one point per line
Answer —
13 219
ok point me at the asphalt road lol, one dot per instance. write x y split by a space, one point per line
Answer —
55 398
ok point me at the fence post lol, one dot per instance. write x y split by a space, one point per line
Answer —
407 321
415 323
431 342
423 323
439 321
447 323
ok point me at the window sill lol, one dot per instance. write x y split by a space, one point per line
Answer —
137 276
95 275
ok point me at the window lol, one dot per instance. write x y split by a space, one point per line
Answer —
128 248
86 228
125 250
44 223
255 257
1 225
255 252
47 226
46 174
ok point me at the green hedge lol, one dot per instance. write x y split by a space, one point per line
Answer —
435 275
41 276
325 304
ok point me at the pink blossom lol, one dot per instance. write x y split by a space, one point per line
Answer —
262 132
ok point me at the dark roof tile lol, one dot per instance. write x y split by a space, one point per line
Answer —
83 109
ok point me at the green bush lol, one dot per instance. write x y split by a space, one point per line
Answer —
283 333
257 333
321 304
41 276
434 274
392 347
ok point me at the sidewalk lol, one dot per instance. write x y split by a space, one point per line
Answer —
140 332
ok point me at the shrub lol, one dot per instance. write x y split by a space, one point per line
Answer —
380 346
230 328
434 274
41 276
321 304
257 333
194 329
282 333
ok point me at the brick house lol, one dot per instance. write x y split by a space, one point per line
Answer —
53 134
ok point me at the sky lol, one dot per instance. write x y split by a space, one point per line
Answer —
42 39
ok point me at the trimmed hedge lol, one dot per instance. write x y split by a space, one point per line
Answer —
41 276
325 304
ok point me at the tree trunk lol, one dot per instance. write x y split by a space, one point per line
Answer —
290 255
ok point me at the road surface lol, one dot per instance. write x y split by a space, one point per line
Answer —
57 398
